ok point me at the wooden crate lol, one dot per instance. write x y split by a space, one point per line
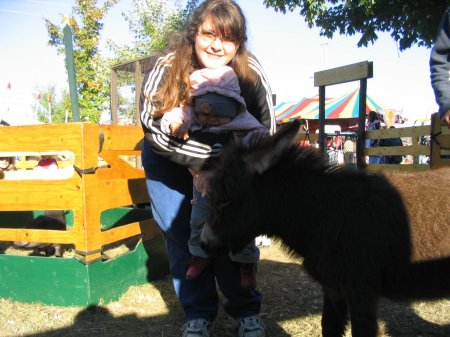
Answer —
101 180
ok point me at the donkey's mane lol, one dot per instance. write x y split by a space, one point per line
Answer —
308 159
304 158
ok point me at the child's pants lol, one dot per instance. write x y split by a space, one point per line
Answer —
199 215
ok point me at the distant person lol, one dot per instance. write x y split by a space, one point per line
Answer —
6 164
373 124
47 162
395 159
349 150
440 68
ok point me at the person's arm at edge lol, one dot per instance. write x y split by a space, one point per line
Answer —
440 67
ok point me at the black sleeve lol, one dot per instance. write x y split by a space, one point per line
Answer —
440 64
258 97
188 153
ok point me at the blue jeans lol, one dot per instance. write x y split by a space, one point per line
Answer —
170 190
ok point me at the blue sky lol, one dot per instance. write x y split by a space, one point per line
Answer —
289 51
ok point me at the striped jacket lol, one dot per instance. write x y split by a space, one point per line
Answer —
192 153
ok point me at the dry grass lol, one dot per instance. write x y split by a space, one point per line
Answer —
291 307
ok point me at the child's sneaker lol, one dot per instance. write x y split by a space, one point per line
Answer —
248 275
196 266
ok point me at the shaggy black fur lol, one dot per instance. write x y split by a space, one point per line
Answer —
350 227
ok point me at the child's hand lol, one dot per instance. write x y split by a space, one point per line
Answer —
201 181
178 130
176 122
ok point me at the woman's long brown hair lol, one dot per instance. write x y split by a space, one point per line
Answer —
229 20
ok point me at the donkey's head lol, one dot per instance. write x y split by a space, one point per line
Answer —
237 210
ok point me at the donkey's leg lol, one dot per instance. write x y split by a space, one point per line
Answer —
363 315
334 316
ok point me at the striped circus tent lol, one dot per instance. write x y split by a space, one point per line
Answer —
345 106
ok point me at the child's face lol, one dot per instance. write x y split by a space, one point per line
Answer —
4 163
209 119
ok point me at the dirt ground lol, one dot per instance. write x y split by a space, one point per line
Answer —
291 307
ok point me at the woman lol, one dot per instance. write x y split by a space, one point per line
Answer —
215 36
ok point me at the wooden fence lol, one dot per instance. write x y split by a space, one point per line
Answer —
99 180
420 143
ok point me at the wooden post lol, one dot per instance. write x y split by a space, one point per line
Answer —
440 140
357 71
114 99
138 83
322 142
67 31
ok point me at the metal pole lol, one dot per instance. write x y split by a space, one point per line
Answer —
70 65
361 140
49 112
322 144
138 84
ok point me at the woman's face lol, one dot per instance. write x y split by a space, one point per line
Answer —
212 50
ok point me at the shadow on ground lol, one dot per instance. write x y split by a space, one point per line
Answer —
291 307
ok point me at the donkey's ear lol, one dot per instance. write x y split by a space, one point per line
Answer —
261 158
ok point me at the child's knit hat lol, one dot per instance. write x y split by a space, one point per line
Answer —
216 104
216 91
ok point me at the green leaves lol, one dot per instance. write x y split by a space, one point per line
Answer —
151 22
92 70
409 22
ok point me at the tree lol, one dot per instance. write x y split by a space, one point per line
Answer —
92 70
151 22
409 22
48 106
